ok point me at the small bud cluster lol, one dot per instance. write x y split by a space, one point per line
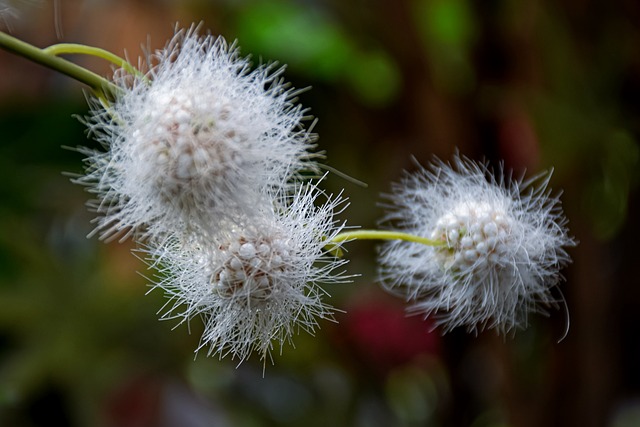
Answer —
250 268
185 156
474 234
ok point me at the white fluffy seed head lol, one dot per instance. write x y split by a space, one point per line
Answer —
256 285
197 140
502 246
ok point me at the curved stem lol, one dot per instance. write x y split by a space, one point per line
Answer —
384 235
99 84
81 49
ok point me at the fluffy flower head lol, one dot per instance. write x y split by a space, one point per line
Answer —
258 284
500 246
195 141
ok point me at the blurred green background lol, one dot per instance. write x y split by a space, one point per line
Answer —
540 84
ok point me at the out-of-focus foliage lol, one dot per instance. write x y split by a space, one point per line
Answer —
322 49
70 319
447 30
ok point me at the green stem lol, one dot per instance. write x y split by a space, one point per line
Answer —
81 49
333 246
100 85
384 235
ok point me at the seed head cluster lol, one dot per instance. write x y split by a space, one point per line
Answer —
202 164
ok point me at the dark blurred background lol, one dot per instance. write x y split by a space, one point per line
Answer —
538 84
